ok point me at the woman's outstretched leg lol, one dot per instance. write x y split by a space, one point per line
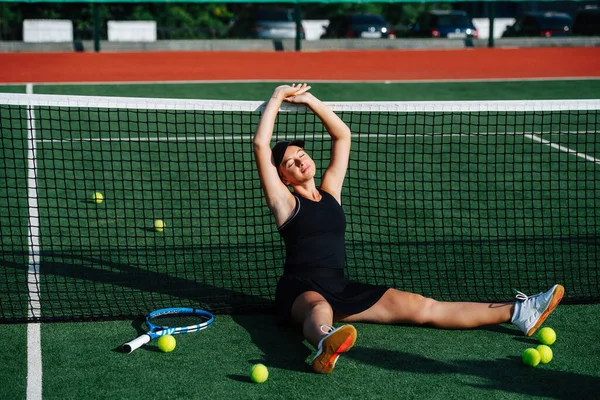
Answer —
397 307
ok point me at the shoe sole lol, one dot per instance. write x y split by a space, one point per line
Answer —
556 298
339 342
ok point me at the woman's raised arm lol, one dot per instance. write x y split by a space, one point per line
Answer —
333 178
276 193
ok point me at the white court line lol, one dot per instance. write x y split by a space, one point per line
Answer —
225 137
34 349
386 81
564 149
34 362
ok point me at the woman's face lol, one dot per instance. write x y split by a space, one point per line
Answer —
296 167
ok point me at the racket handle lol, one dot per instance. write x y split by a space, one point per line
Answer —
136 343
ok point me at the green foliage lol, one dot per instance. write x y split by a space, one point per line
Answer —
188 21
184 20
8 14
406 13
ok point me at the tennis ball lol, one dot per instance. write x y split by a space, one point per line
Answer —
167 343
159 225
531 357
98 197
545 353
547 336
259 373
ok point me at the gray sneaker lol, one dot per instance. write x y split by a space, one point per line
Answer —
531 311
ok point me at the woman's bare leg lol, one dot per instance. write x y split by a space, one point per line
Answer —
312 311
397 307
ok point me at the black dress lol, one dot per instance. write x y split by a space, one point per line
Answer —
315 259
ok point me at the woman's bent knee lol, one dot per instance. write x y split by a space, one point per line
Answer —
307 304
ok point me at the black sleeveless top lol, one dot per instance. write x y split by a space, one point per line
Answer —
314 236
316 257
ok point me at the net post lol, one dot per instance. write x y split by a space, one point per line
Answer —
492 16
298 15
96 15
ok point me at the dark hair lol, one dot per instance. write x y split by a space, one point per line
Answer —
279 149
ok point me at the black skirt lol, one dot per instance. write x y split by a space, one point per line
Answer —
344 296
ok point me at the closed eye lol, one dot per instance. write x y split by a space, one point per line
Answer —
290 164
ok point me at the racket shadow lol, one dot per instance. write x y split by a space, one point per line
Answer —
282 346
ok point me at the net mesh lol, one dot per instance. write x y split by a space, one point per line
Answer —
453 200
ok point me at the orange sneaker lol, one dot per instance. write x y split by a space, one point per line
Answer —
336 342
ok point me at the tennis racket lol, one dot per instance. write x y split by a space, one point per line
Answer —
171 321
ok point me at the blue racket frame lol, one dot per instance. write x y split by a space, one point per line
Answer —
155 331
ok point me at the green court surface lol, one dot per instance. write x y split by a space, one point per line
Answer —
329 91
107 247
80 360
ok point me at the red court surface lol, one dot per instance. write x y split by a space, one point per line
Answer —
372 65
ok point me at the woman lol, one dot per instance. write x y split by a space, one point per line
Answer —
313 290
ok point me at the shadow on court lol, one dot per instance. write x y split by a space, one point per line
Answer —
118 283
501 375
95 286
282 346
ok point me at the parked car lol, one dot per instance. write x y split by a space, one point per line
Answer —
540 24
357 26
265 23
451 24
587 22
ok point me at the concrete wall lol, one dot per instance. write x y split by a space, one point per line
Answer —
500 24
314 28
289 45
131 31
47 30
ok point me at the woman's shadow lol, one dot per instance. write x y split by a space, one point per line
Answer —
282 345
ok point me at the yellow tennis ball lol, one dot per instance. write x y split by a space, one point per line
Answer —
167 343
98 197
159 225
547 336
259 373
531 357
545 353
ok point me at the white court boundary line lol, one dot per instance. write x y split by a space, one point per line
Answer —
531 136
564 149
385 81
242 137
34 348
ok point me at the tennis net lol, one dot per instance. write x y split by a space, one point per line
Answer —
453 200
